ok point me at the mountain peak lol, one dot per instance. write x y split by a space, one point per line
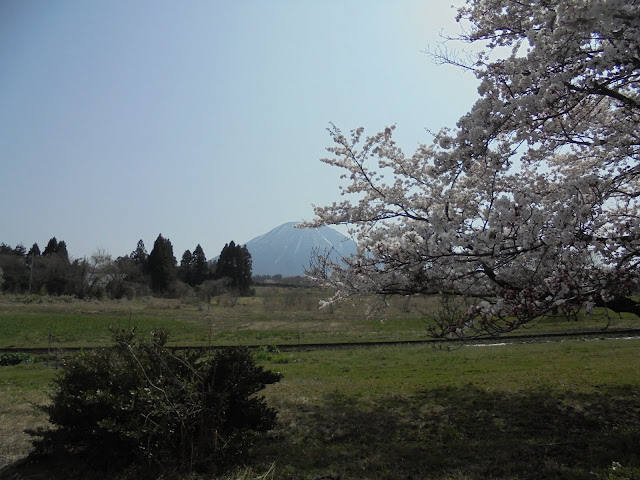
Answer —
287 251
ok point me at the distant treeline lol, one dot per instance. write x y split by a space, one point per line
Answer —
52 272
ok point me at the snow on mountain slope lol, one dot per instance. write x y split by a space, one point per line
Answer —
287 250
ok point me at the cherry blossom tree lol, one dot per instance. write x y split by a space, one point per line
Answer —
531 204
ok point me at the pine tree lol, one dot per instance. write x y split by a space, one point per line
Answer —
235 264
186 268
61 251
51 247
200 268
162 265
34 251
140 256
57 269
58 248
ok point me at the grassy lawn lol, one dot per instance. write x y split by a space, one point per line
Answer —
551 410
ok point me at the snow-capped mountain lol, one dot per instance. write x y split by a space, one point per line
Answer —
287 250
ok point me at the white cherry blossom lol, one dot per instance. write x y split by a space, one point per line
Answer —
531 205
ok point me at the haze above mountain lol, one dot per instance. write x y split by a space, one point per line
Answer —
287 250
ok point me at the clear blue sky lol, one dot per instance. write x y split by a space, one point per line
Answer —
201 120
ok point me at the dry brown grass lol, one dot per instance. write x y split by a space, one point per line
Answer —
17 413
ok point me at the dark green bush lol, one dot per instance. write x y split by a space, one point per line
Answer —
12 358
139 405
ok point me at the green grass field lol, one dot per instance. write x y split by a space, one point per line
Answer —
560 410
553 410
542 410
273 316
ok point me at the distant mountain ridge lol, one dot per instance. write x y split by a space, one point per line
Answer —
286 250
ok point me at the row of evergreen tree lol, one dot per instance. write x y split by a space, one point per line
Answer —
140 273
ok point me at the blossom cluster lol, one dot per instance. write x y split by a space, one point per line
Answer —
533 202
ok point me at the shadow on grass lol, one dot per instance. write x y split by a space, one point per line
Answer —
450 433
462 433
